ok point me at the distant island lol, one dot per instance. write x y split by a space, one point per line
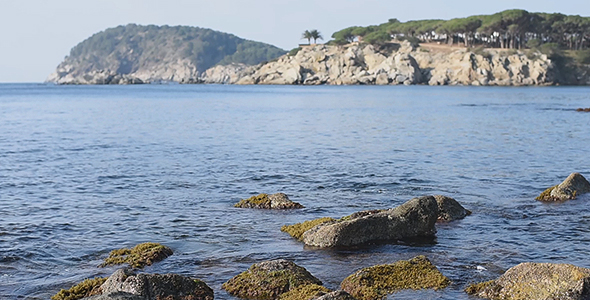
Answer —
512 47
142 54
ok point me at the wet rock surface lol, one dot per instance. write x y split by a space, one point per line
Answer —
269 279
537 281
415 218
266 201
449 209
378 281
574 185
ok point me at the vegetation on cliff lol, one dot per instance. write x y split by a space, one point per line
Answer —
513 29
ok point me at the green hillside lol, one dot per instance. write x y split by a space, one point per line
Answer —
131 48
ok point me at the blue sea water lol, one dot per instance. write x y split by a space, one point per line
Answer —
88 169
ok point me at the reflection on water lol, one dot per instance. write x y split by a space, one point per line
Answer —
84 170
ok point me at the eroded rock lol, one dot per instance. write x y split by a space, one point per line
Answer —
537 281
266 201
269 279
124 284
378 281
415 218
572 186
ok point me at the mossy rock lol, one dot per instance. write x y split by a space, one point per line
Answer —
536 281
546 195
266 201
268 280
297 230
86 288
139 256
575 184
378 281
305 292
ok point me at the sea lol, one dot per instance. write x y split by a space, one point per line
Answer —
88 169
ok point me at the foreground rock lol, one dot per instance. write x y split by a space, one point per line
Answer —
315 292
449 209
265 201
378 281
572 186
269 279
537 281
139 256
126 285
415 218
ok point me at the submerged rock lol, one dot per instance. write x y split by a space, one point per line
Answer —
378 281
124 284
269 279
265 201
537 281
449 209
415 218
572 186
86 288
139 256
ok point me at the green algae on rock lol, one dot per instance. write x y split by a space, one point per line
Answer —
297 230
266 201
575 184
86 288
378 281
139 256
536 281
305 292
268 280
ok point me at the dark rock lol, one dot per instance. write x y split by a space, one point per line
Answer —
537 281
269 279
583 109
124 284
265 201
378 281
572 186
449 209
415 218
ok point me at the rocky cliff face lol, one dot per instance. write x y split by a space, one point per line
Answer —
363 64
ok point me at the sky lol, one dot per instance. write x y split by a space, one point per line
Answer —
36 35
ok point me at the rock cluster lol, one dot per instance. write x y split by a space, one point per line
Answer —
572 186
266 201
415 218
537 281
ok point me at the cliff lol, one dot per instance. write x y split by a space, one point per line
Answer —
138 54
404 64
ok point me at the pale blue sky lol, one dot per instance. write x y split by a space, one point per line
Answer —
37 34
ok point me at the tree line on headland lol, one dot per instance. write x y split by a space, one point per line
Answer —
510 29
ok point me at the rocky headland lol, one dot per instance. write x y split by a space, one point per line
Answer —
360 64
